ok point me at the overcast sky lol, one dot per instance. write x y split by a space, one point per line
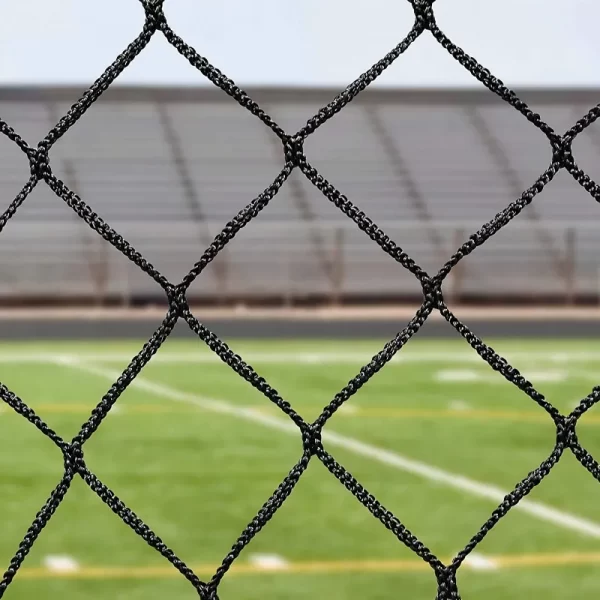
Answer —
305 42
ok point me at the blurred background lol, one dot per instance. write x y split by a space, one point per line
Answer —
429 154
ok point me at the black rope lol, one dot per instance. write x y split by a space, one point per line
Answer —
294 158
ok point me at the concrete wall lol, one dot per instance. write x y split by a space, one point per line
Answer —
367 323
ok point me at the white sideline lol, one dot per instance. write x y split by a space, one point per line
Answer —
387 457
283 357
307 357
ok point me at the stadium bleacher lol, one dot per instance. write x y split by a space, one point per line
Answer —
168 168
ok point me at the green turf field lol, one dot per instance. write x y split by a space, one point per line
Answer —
195 451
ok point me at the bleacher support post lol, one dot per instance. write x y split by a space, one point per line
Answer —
337 279
570 265
457 271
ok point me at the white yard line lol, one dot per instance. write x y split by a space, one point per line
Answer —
461 376
479 562
307 357
268 562
387 457
547 376
60 563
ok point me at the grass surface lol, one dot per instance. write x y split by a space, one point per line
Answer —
198 476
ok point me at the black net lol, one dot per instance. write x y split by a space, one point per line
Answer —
294 158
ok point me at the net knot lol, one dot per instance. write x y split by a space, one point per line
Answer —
565 430
208 592
293 148
447 586
432 290
424 12
154 11
39 161
177 298
562 152
311 439
152 5
73 456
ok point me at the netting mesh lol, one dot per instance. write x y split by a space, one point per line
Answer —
293 157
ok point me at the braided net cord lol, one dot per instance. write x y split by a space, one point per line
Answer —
293 158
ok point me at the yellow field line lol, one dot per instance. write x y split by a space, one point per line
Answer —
86 409
310 567
370 412
549 559
468 413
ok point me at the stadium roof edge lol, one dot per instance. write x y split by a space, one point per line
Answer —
40 93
